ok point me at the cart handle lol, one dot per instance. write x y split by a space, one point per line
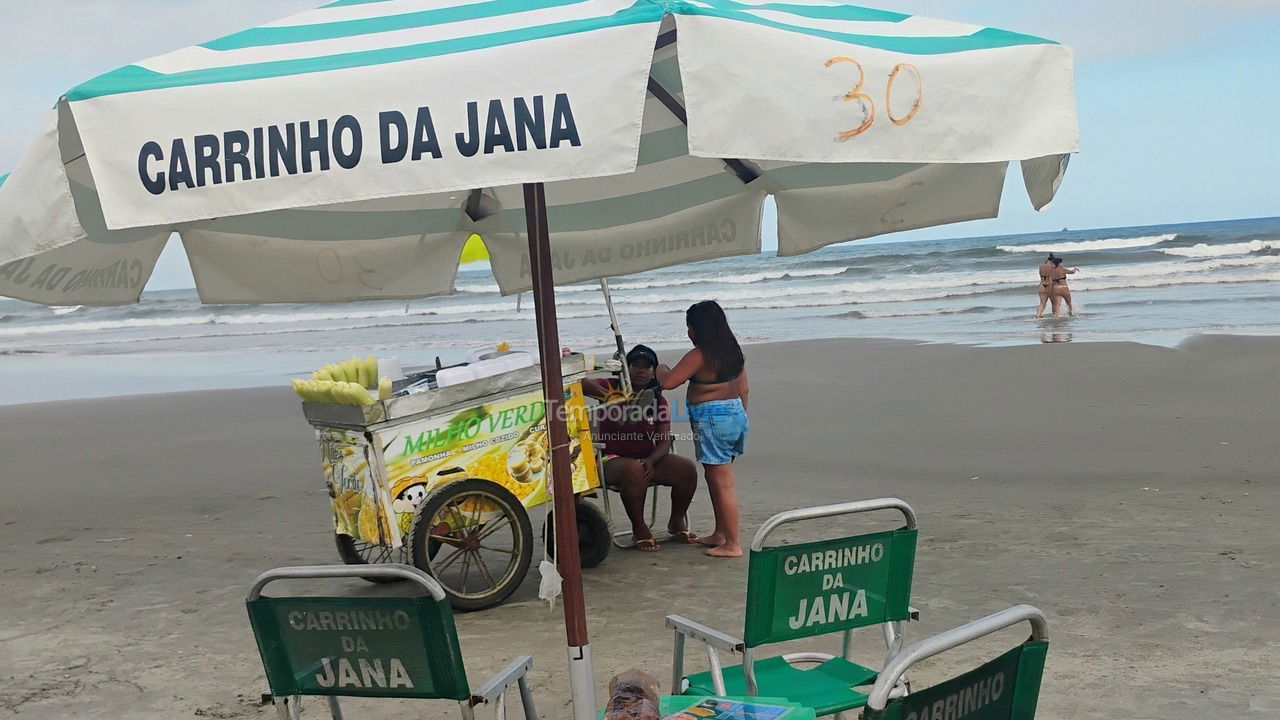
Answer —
385 570
849 508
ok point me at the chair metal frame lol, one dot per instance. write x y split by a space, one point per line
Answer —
896 667
515 673
716 641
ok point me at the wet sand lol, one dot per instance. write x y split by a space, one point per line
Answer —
1129 491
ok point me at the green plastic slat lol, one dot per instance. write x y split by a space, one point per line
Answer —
1004 689
799 591
363 647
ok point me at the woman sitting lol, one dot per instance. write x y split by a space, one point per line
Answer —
637 450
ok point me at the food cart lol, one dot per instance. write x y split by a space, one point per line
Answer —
445 478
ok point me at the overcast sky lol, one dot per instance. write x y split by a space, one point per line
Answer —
1178 99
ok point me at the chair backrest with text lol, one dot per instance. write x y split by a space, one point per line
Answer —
405 647
826 586
1006 688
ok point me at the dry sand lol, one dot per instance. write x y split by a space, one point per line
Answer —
1129 491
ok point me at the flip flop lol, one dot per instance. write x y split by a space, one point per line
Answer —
647 545
683 536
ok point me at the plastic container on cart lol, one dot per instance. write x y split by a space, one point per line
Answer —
489 368
456 375
390 367
517 360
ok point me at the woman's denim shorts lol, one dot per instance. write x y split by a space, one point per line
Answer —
719 430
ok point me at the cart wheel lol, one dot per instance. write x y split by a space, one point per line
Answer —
359 552
594 540
474 537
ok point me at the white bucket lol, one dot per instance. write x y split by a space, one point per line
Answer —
390 367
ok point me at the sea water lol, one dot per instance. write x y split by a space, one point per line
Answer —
1155 284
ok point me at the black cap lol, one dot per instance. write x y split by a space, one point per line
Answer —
642 351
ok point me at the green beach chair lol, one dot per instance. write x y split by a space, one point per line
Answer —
1006 688
382 647
805 591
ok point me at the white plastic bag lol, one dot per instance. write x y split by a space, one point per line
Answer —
549 586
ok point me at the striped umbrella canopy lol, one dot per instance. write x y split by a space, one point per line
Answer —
348 153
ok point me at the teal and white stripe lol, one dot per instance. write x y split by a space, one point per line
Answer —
941 109
377 35
339 36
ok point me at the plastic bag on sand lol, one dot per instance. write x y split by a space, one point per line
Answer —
549 587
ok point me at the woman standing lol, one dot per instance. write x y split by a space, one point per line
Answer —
717 375
1045 291
1060 289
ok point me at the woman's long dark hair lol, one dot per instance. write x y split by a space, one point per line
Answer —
711 335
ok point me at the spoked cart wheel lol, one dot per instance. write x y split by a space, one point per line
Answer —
358 552
474 537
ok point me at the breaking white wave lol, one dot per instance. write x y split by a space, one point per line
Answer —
649 298
1090 245
1202 250
649 284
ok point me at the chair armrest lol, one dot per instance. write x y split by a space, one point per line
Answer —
708 636
498 684
713 640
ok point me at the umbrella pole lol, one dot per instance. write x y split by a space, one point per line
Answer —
581 678
621 354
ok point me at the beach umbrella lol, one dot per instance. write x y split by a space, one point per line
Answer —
348 153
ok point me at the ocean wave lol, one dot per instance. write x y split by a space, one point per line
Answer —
868 314
94 326
743 279
654 283
831 290
885 282
61 310
924 285
1166 281
1201 250
1086 245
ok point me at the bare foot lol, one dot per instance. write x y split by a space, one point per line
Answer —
725 551
712 540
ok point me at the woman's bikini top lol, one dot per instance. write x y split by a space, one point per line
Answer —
719 379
